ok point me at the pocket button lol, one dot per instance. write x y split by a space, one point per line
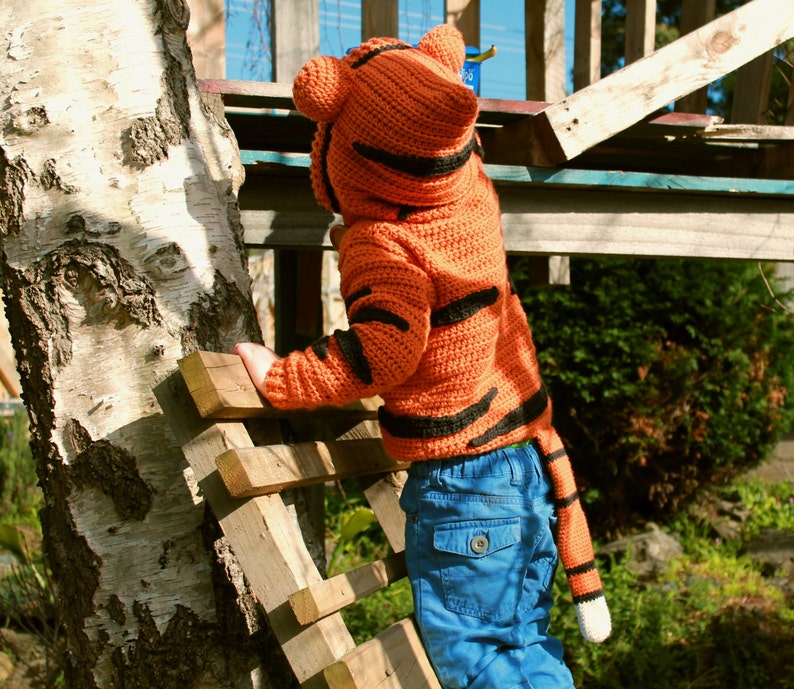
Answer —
479 544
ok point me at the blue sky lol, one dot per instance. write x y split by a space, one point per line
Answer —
501 24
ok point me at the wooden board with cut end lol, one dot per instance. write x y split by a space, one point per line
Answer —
331 595
394 659
271 468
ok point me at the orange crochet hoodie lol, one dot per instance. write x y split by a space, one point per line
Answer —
435 328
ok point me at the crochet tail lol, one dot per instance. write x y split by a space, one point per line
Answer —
575 545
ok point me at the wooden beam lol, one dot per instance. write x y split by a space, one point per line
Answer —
379 18
751 93
269 469
331 595
603 109
640 29
652 225
545 49
394 659
587 44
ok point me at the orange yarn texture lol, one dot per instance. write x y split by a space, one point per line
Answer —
434 326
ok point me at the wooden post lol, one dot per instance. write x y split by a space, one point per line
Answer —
465 14
751 93
587 43
544 22
640 29
379 18
206 35
694 14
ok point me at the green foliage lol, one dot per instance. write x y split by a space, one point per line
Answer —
665 376
710 620
20 496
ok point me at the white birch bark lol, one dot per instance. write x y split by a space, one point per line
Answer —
121 252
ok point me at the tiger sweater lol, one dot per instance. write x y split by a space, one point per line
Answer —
435 328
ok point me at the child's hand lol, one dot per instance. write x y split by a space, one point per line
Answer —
257 359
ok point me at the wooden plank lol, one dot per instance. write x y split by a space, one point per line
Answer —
544 22
652 225
222 389
259 530
383 496
272 468
331 595
640 29
587 43
603 109
379 18
395 659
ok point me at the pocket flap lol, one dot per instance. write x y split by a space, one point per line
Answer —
478 537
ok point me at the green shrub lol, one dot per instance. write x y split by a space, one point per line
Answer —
665 376
20 495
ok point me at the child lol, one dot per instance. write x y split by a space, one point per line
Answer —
436 330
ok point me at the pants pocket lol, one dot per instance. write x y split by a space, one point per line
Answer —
482 564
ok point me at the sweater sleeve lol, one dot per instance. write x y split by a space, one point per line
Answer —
388 299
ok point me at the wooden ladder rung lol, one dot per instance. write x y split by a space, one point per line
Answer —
222 389
331 595
268 469
394 659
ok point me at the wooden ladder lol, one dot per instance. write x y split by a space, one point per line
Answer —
216 414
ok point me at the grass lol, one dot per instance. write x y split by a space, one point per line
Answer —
710 620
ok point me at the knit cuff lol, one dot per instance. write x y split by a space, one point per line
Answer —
595 622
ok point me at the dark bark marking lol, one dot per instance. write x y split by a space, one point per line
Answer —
111 469
219 318
14 176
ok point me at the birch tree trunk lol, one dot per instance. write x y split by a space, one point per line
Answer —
121 253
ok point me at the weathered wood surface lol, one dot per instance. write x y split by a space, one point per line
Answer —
273 468
331 595
222 389
606 107
393 659
260 530
303 606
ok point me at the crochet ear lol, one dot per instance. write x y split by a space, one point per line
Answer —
444 43
321 88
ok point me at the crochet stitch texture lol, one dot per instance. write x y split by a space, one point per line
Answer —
434 326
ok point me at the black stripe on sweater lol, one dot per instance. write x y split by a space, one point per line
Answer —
353 351
562 503
434 426
320 348
464 308
378 51
329 189
522 416
418 166
581 569
587 597
374 314
358 294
